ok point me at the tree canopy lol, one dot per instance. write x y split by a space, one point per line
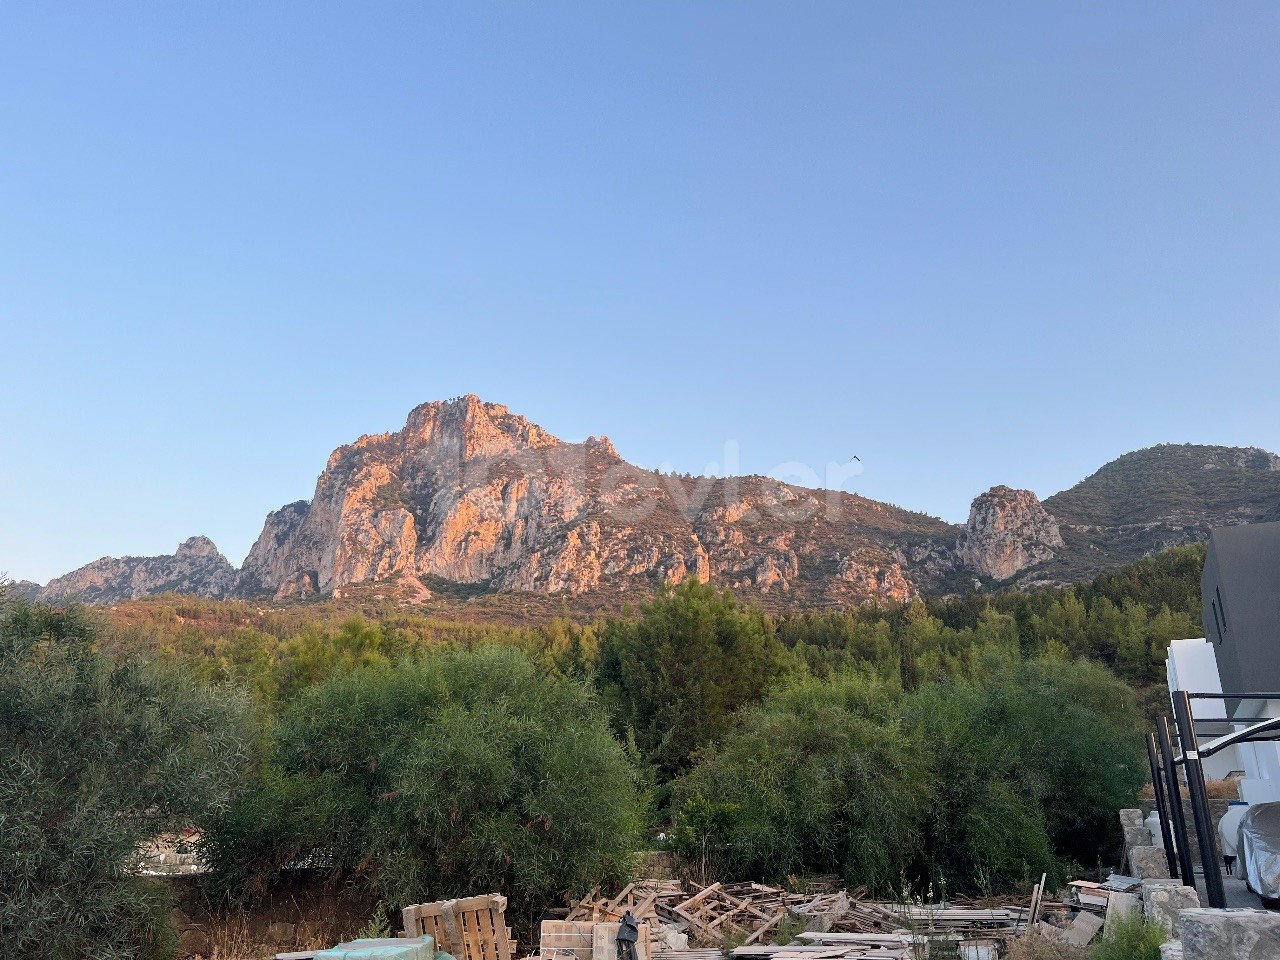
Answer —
456 771
96 758
676 675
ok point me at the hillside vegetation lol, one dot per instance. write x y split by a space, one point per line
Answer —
967 744
1172 482
1122 620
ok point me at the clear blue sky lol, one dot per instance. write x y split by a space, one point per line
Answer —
971 243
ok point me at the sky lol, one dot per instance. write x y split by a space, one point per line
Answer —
970 243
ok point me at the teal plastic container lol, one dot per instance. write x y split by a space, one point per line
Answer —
419 948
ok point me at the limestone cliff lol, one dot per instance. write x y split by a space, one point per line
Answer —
1007 532
470 493
196 567
469 497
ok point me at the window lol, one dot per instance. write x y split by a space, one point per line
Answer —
1219 614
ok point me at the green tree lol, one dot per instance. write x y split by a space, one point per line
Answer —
702 830
97 757
676 675
563 647
464 770
314 655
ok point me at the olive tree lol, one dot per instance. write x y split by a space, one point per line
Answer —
458 771
96 758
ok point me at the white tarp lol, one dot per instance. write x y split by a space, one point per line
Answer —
1259 849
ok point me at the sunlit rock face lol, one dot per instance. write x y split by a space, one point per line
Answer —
196 567
471 493
1007 532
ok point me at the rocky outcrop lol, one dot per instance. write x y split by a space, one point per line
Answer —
1007 532
20 588
262 570
471 493
197 567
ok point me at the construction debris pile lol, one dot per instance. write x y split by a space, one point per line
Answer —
752 921
681 920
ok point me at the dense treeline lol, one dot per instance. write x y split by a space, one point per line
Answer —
1123 620
970 743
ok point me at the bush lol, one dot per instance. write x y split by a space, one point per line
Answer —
95 759
1133 938
820 778
1030 766
972 785
461 772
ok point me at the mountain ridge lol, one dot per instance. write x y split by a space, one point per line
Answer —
469 493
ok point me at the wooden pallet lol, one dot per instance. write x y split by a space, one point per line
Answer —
473 928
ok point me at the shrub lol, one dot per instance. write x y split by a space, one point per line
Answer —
96 758
702 830
1132 938
1030 763
461 772
821 778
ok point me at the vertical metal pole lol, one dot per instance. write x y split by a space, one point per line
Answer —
1199 800
1186 869
1162 809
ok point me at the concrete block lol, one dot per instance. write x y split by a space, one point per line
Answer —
1162 902
1148 863
1237 934
1119 906
1138 836
1131 818
1083 928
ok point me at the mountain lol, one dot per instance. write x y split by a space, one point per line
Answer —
1153 499
471 498
21 588
197 567
471 493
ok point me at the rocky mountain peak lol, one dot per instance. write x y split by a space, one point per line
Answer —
195 567
1008 531
602 444
197 547
471 493
467 427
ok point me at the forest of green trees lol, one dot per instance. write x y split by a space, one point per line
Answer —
966 744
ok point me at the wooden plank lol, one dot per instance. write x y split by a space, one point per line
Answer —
483 935
618 901
453 931
766 927
698 897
